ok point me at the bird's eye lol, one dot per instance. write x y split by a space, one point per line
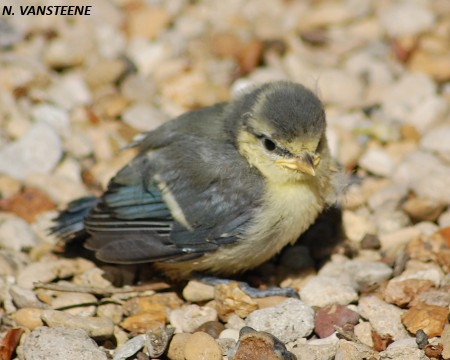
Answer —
269 144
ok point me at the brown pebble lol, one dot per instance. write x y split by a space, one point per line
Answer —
370 242
28 317
176 346
142 322
403 292
430 318
230 299
213 328
257 345
201 346
330 316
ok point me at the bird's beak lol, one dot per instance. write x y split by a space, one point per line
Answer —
305 163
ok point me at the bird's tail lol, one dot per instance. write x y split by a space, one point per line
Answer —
69 224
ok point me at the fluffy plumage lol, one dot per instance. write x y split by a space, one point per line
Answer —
219 189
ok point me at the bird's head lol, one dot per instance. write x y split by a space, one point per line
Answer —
281 131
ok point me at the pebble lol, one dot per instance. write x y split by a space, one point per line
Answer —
259 345
384 318
402 292
445 338
288 321
429 318
403 353
368 273
201 346
212 328
130 348
80 304
406 18
230 299
48 270
196 291
363 332
23 297
230 334
110 311
143 117
142 322
347 350
388 197
29 318
325 290
95 327
436 140
188 318
70 91
439 297
37 152
420 209
55 117
341 88
377 161
15 233
60 343
330 316
357 226
177 345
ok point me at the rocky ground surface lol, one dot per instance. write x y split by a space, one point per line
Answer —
75 90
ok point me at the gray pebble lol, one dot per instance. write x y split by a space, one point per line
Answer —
94 326
288 321
60 343
384 318
325 290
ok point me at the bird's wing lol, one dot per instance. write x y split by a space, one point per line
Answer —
176 203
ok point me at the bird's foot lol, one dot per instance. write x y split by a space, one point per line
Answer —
252 291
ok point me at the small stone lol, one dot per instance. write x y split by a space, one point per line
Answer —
143 117
190 317
288 321
23 297
48 270
436 140
29 318
147 22
369 273
235 322
403 292
399 238
327 290
69 91
377 161
202 346
142 322
419 209
177 345
330 316
212 328
105 72
95 327
230 334
130 348
440 297
269 301
80 304
429 318
370 242
196 291
422 271
347 350
110 311
357 226
384 318
27 204
406 19
363 332
15 233
445 340
342 88
60 343
403 353
388 197
38 151
230 299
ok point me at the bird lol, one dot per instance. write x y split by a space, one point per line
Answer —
217 190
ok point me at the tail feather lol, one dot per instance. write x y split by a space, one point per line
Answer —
69 223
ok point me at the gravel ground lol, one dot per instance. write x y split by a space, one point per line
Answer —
74 90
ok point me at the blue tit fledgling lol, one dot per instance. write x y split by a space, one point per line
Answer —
219 190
